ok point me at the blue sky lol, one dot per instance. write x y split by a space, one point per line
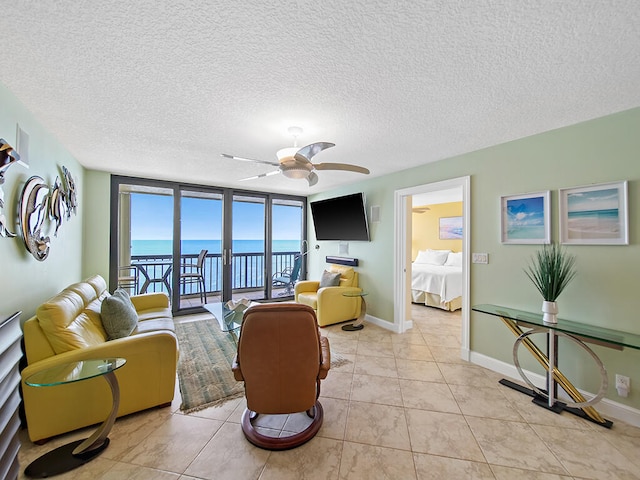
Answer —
525 211
606 199
152 216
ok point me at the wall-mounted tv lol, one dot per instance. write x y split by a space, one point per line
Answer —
340 218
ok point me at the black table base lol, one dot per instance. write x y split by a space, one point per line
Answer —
62 460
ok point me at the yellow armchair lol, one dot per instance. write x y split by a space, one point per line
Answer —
329 303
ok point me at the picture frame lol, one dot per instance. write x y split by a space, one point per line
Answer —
594 214
450 228
526 218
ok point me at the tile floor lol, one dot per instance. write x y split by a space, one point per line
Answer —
404 407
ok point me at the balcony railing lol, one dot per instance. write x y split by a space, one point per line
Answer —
247 268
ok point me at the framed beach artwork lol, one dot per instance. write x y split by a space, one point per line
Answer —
594 215
525 219
450 228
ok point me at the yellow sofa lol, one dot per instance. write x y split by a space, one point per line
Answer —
329 303
68 328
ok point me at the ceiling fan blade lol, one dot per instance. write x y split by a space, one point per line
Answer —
253 160
341 166
312 178
268 174
308 152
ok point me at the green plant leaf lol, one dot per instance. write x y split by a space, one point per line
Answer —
551 270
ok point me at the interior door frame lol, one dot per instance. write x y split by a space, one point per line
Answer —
402 260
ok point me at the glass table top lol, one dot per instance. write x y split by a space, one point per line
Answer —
74 372
599 334
229 320
355 294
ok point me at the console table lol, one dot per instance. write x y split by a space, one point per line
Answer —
574 331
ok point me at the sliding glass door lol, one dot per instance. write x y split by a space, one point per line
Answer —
144 246
287 246
201 234
204 244
248 247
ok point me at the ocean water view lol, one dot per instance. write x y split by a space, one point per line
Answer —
526 232
594 223
164 247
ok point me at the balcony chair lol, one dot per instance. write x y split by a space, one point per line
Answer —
193 273
128 276
288 277
281 358
326 297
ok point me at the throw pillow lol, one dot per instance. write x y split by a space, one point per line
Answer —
432 257
329 279
119 317
454 260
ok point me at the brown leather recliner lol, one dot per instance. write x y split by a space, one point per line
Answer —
281 358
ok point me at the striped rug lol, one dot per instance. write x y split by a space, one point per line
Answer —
204 366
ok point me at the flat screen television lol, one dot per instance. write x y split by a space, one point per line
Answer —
341 218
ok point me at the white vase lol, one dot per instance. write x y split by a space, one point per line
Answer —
550 312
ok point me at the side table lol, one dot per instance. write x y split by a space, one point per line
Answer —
79 452
359 323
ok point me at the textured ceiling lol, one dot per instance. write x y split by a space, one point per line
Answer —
160 89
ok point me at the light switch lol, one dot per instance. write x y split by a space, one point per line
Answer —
480 258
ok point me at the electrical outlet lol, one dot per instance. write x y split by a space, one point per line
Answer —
480 258
623 385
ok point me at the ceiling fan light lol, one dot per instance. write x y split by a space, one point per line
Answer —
286 153
294 172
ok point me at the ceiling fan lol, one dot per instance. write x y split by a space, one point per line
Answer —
295 162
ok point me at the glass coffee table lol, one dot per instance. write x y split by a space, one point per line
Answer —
79 452
229 320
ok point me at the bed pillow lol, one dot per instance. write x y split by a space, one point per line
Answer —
454 260
119 317
432 257
329 279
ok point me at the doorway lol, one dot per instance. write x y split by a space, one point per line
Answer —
403 252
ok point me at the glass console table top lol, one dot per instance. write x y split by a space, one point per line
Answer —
591 332
74 372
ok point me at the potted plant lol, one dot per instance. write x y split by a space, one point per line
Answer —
551 271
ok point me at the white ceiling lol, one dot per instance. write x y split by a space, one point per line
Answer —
160 89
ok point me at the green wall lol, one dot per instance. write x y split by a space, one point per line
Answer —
604 293
605 290
24 281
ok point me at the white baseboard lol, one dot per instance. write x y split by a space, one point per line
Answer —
384 324
607 407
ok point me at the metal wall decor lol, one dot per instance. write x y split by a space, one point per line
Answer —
34 210
40 203
70 197
8 156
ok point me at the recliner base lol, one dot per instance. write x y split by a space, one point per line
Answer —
282 443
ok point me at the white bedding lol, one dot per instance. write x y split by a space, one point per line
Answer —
441 280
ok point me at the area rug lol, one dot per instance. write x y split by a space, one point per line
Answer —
204 366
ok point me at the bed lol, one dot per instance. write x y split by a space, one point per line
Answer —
436 279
